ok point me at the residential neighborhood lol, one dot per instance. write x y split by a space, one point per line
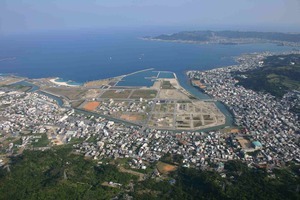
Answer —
267 133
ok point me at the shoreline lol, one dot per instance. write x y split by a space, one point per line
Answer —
64 83
222 43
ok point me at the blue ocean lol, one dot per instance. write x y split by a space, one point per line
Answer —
83 56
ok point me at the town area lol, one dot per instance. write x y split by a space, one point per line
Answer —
267 134
264 119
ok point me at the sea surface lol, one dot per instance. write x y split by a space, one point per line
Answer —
81 56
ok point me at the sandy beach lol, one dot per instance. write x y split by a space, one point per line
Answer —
53 80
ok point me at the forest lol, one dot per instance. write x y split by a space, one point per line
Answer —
60 174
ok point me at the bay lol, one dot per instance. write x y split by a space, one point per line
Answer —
84 56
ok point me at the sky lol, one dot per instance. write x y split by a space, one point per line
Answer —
21 16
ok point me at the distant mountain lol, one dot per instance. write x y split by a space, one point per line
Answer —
231 37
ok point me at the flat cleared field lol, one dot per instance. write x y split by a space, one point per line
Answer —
145 94
76 104
244 143
116 94
234 130
133 117
91 106
197 124
8 80
183 121
100 82
165 168
92 93
162 120
70 93
172 94
167 85
165 108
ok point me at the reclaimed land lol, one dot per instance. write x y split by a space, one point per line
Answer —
116 94
146 94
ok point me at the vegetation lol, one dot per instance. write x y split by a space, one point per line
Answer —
167 85
19 87
146 94
279 75
241 182
60 174
41 142
172 159
201 36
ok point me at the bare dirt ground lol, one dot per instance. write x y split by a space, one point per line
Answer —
97 83
92 93
132 117
171 94
70 93
244 142
234 130
198 84
9 80
165 168
91 106
156 85
162 120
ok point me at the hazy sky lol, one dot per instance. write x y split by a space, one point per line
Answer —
17 16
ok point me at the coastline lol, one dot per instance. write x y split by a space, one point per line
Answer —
178 77
61 83
279 43
182 88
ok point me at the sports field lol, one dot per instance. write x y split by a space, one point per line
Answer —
165 168
91 106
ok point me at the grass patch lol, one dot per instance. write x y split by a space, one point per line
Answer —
116 94
167 85
145 94
41 142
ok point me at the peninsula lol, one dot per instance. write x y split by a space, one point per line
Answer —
230 37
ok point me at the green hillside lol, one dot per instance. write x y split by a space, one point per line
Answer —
279 75
201 36
61 174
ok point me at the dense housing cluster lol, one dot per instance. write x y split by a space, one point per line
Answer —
28 114
263 117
